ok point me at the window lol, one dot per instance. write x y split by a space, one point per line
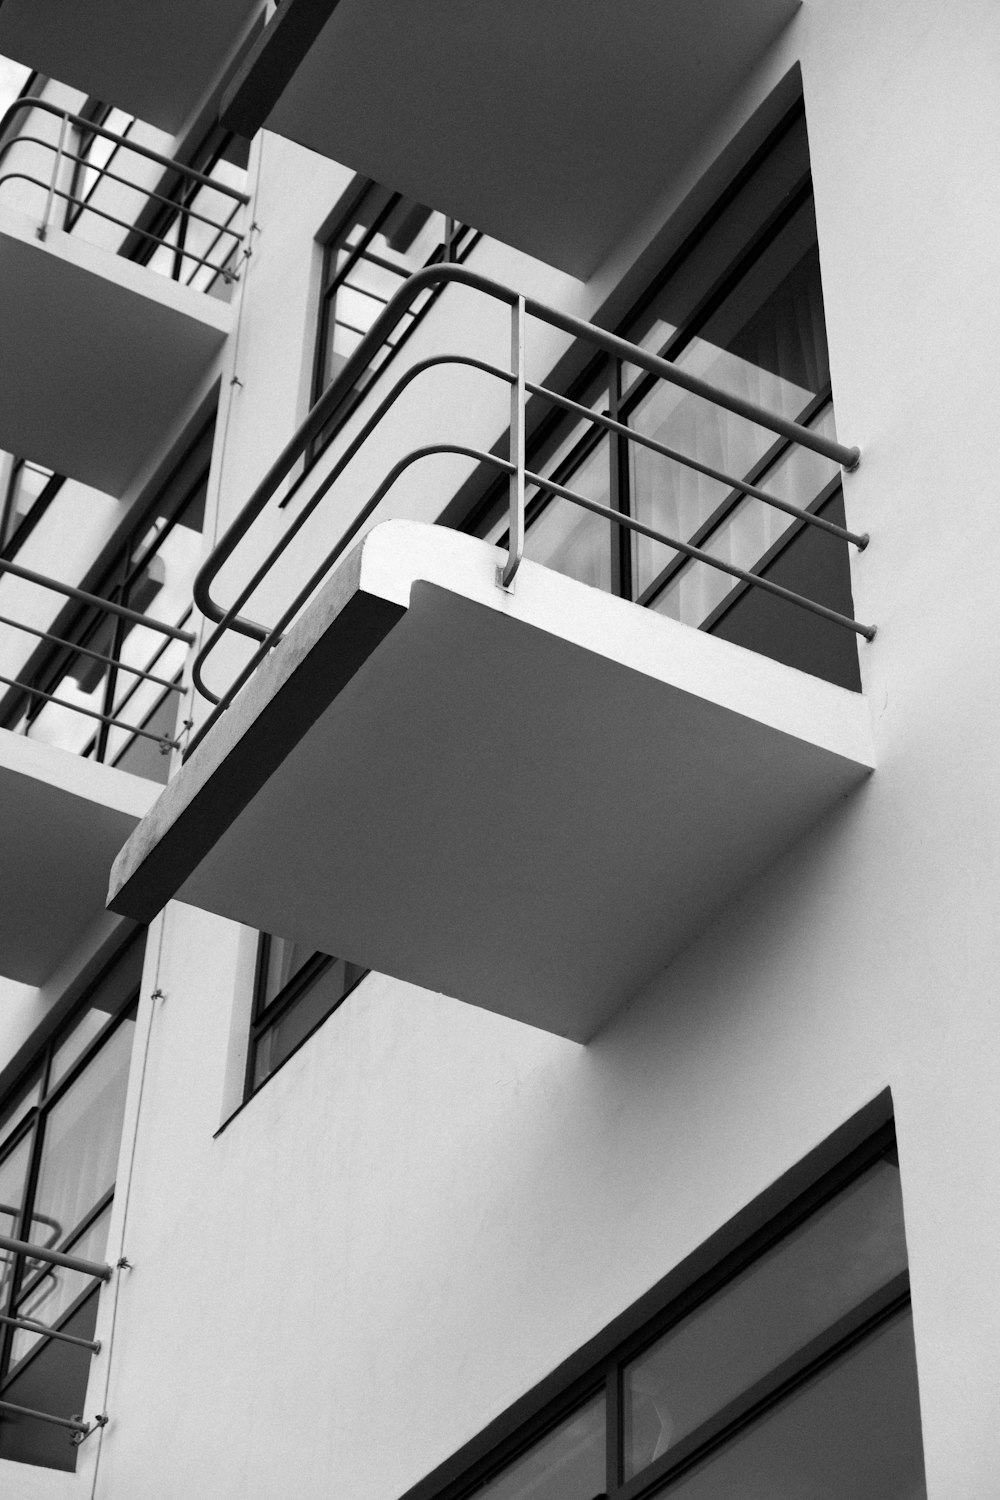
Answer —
30 489
107 665
740 306
294 992
60 1130
382 240
786 1369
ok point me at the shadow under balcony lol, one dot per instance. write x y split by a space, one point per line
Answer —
530 801
102 352
547 124
63 820
154 61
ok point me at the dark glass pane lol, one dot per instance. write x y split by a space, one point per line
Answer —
766 343
850 1433
50 1291
573 540
13 1176
15 1110
80 1148
54 1379
295 1023
567 1464
118 986
282 960
840 1256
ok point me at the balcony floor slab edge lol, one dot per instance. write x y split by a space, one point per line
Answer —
529 801
63 818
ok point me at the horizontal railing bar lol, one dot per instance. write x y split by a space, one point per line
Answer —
105 173
91 128
697 554
114 219
111 661
616 516
46 1416
859 539
108 606
94 1268
31 1326
90 713
358 362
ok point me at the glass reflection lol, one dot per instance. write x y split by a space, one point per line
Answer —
842 1254
568 1464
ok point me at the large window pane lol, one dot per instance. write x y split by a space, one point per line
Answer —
294 1024
568 1464
80 1146
851 1433
573 540
842 1254
766 343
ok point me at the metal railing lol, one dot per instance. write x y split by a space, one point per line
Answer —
112 663
100 1271
182 180
226 618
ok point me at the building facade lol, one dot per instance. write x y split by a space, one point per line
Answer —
496 757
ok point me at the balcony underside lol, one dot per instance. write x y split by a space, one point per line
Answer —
155 61
100 354
63 819
529 802
550 124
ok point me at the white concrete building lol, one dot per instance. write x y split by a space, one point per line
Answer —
473 1025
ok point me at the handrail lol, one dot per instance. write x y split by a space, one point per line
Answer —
359 362
188 176
95 1268
116 611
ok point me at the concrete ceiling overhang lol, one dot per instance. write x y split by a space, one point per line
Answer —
528 801
63 818
155 61
99 354
549 124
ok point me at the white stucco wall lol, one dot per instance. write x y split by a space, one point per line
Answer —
430 1207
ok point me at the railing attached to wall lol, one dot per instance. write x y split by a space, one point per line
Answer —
229 618
183 181
100 1272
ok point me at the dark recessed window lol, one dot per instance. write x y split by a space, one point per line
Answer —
60 1130
381 240
787 1369
294 991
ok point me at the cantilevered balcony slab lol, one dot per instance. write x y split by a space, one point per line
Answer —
528 801
63 818
551 124
99 353
156 61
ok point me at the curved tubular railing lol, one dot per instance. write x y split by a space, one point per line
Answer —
186 175
356 366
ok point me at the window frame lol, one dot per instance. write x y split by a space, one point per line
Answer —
599 1364
31 1127
266 1013
366 192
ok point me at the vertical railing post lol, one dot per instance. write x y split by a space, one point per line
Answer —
515 529
43 227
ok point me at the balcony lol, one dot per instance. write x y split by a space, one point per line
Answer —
66 814
105 352
471 772
550 126
156 61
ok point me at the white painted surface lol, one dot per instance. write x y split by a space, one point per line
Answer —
539 797
430 1206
